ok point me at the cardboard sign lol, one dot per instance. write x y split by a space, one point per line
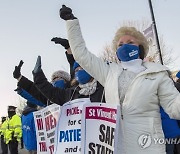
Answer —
40 132
69 127
99 122
46 121
51 116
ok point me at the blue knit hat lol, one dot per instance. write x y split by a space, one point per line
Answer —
75 65
178 75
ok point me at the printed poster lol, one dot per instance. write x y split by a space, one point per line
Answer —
45 122
68 139
99 122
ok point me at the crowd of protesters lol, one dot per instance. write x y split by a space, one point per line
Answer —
149 98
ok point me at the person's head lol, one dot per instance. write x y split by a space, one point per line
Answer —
80 74
130 39
178 77
60 79
11 111
3 119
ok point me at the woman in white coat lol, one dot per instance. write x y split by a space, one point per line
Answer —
140 87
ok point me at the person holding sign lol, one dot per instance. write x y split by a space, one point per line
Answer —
139 87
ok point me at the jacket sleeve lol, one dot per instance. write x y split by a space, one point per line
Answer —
169 97
30 98
17 128
95 66
71 61
54 94
30 87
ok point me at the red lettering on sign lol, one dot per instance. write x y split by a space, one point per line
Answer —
42 146
50 122
73 111
51 148
39 124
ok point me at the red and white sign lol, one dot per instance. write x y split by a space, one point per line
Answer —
99 122
46 121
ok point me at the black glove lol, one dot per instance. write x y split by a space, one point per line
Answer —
18 90
63 42
66 13
17 70
37 67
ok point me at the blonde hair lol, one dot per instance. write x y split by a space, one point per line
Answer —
132 31
73 82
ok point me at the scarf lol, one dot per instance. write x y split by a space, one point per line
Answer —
133 66
88 88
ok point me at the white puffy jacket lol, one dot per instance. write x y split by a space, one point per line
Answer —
149 90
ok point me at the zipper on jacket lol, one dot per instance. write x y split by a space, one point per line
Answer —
121 110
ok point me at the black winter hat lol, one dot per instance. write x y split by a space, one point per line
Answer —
12 108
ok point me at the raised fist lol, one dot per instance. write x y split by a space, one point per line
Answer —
37 67
17 70
63 42
66 13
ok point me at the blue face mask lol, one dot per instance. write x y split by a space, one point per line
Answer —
128 52
82 76
59 84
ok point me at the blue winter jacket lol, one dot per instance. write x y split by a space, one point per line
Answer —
29 97
28 128
170 126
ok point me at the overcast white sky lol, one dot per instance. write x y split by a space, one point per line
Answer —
26 28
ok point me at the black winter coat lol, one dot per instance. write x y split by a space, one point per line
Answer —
71 61
44 91
30 87
61 96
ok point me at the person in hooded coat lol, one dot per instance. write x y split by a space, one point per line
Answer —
28 128
139 87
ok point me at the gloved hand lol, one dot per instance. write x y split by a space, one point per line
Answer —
37 67
18 90
66 13
63 42
17 70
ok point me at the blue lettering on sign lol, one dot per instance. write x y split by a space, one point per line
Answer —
70 135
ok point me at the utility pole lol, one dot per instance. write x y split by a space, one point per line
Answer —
155 31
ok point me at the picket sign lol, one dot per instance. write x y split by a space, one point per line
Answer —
78 127
99 124
40 135
51 116
46 121
68 130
